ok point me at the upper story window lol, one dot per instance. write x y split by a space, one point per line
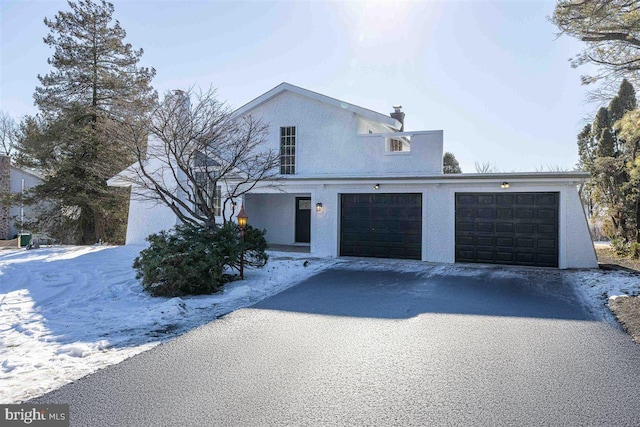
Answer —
396 145
288 150
212 192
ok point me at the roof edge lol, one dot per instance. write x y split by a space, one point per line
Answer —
443 178
282 87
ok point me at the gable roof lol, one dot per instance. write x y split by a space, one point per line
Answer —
33 172
282 87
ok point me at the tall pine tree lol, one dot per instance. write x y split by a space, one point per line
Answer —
95 81
609 151
450 163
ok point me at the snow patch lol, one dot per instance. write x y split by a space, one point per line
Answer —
67 311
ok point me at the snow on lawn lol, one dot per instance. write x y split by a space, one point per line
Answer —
68 311
599 286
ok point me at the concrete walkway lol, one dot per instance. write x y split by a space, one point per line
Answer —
351 347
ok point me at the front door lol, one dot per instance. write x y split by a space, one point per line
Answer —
303 219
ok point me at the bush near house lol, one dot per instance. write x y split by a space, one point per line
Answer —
193 260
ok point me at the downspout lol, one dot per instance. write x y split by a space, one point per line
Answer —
21 207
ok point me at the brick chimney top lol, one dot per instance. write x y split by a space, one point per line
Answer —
398 115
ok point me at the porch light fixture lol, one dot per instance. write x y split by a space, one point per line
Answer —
242 218
242 223
375 187
318 207
504 185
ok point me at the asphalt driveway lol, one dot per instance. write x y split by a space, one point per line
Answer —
349 347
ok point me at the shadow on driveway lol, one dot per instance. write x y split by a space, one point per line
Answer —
401 295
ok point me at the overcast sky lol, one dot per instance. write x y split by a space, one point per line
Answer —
491 74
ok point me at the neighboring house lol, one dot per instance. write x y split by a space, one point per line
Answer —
355 183
14 180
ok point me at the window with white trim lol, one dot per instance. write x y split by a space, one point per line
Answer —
212 193
288 150
397 145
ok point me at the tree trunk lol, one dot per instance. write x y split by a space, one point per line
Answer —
636 247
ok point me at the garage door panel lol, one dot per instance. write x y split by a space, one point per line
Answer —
504 257
464 226
466 213
505 199
524 242
546 244
525 258
547 213
548 229
547 260
546 200
525 199
381 225
523 231
466 199
485 256
485 241
504 213
485 227
505 227
504 241
525 228
487 213
465 240
525 213
485 199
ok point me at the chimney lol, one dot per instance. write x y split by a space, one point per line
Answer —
398 115
181 99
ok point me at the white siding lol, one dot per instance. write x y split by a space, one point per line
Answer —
438 213
328 142
30 181
275 213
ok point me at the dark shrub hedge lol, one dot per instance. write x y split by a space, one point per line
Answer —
190 260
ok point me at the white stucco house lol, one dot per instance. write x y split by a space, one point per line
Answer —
356 183
15 180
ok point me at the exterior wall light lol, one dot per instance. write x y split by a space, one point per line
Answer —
242 218
504 185
318 207
375 187
242 223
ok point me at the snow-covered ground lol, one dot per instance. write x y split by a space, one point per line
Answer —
68 311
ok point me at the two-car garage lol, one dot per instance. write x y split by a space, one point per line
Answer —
518 228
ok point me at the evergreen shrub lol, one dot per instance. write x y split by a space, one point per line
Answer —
193 260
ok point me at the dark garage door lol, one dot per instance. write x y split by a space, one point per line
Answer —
507 228
381 225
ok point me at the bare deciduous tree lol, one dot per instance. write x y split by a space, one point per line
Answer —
8 133
486 167
610 30
196 158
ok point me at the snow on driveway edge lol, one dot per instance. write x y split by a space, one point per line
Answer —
68 311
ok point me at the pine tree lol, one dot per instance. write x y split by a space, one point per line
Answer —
605 144
450 163
613 164
95 82
601 122
586 149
